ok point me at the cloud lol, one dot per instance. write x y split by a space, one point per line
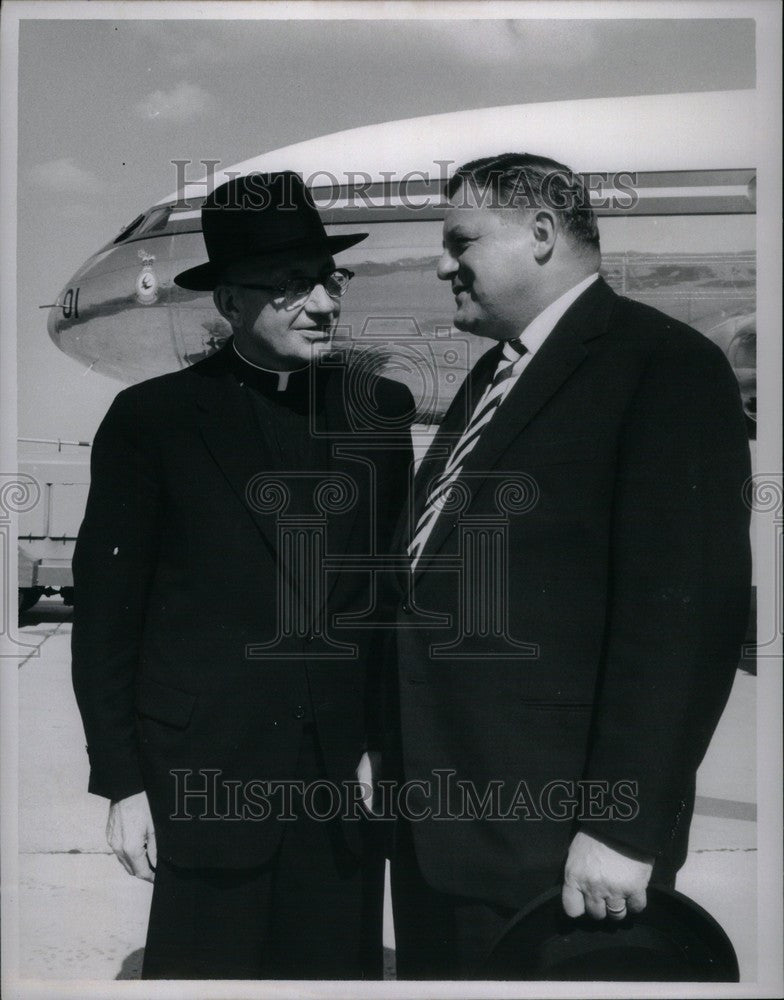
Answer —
182 103
64 175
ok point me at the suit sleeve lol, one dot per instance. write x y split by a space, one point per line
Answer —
113 565
679 587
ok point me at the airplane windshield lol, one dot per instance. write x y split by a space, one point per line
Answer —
154 223
126 231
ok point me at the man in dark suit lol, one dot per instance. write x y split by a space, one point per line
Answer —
579 526
221 656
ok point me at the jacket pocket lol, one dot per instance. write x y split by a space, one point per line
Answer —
165 704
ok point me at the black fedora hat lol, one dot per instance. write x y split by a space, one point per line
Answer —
672 940
255 216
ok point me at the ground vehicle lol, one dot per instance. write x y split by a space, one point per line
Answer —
47 532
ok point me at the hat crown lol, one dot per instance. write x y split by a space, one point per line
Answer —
257 215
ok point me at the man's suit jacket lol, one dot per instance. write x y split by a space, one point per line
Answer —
625 563
176 575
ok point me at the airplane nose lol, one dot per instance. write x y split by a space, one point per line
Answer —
53 324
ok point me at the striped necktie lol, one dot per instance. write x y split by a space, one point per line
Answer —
485 409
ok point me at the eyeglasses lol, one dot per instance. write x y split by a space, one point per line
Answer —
297 288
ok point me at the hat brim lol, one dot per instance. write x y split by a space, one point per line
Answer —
204 277
672 940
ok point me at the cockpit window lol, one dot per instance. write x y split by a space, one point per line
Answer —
146 224
154 223
126 231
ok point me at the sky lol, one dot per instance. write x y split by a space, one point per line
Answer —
105 106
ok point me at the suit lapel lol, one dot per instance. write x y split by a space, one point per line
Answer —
228 427
555 361
333 420
452 426
550 367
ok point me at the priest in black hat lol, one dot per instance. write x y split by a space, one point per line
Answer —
221 656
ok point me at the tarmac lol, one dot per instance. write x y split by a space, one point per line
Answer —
82 917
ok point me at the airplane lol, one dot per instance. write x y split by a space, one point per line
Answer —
672 179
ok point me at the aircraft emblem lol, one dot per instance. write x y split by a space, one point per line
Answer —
147 286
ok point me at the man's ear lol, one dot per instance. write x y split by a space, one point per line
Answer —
228 304
544 230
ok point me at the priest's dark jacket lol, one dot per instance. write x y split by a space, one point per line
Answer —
217 607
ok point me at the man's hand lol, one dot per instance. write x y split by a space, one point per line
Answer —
368 770
604 881
131 835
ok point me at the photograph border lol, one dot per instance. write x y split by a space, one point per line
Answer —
767 544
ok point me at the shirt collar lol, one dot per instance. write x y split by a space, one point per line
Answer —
541 326
282 377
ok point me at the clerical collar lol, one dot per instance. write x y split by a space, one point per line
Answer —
277 378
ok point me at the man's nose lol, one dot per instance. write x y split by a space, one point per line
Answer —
447 266
320 301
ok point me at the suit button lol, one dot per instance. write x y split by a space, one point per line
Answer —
406 608
299 712
310 638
